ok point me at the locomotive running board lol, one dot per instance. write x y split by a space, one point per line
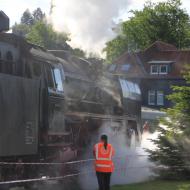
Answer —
101 116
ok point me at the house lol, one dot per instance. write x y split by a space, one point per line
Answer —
156 70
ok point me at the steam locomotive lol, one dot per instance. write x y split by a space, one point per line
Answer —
52 104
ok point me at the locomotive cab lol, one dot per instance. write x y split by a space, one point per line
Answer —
55 136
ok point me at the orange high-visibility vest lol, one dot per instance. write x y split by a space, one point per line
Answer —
103 158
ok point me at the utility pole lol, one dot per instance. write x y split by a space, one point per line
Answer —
52 5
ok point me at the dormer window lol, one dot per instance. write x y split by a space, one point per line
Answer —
163 69
160 67
154 69
125 67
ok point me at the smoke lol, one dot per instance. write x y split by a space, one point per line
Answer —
89 22
131 163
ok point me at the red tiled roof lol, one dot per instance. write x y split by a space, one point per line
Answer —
161 46
135 70
158 51
179 58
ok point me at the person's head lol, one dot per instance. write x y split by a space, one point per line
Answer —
104 139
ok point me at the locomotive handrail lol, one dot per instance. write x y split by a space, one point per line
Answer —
102 116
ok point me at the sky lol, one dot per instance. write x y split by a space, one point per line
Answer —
89 22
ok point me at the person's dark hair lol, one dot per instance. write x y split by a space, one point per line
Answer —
104 138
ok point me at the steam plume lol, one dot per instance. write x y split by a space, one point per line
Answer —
132 164
89 22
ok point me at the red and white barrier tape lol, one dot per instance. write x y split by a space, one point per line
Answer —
64 163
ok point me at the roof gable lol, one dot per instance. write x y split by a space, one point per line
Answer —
161 46
159 53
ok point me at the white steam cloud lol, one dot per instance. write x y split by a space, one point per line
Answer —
131 163
89 22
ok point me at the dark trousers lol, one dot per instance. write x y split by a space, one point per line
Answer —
103 180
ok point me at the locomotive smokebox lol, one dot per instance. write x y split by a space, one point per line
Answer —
4 22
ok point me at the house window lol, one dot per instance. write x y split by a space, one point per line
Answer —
163 69
112 67
125 67
154 69
160 98
156 97
151 97
159 69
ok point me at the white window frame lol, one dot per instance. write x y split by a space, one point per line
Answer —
163 73
151 69
151 93
160 94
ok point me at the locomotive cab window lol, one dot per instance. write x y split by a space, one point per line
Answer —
54 78
58 79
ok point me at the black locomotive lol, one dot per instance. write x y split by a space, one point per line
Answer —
51 104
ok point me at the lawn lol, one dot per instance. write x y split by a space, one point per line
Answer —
156 185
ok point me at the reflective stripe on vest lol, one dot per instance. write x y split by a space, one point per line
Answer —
96 151
103 165
103 162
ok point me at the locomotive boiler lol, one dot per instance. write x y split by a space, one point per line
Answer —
52 104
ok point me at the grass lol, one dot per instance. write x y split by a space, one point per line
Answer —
155 185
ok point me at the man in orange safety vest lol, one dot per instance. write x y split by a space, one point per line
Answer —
103 153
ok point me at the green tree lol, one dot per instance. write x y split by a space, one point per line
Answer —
165 21
38 15
36 30
115 48
44 35
78 52
27 18
27 21
21 29
173 143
